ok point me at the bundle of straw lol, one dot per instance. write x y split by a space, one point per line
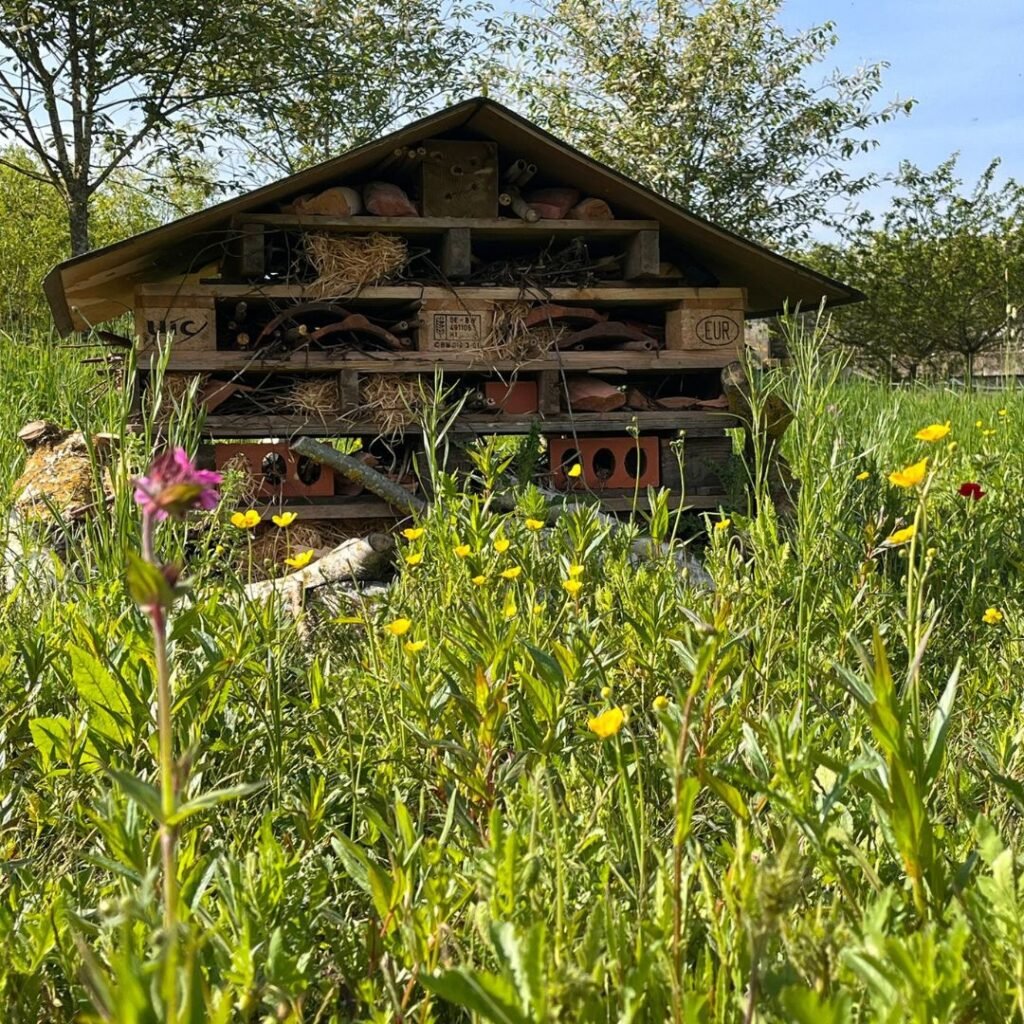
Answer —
345 263
393 401
512 339
315 397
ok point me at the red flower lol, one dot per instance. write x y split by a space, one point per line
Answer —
971 490
174 485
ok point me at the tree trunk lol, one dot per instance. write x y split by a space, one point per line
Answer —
78 222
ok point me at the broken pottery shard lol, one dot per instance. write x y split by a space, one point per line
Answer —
553 203
587 394
591 208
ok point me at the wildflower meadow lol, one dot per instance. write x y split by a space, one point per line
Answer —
543 776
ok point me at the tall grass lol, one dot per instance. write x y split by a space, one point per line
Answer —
809 812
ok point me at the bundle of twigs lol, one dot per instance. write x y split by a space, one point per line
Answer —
393 401
346 263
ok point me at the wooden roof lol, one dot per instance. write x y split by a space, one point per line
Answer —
99 285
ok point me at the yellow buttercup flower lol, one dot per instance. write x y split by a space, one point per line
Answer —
902 536
538 609
511 574
910 476
989 433
399 627
415 646
992 616
978 423
413 533
1002 412
246 520
535 524
606 692
575 570
414 558
572 586
660 702
510 609
501 545
301 560
864 475
574 471
479 580
933 432
461 550
284 520
607 724
722 525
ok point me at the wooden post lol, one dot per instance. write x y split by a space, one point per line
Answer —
642 256
455 253
252 262
348 390
549 392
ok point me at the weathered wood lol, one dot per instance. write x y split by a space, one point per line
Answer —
707 323
185 318
642 255
348 390
459 178
252 261
696 424
360 473
360 558
456 253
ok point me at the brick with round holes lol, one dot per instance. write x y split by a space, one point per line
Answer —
608 462
265 463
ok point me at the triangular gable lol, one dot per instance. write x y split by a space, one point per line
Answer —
99 285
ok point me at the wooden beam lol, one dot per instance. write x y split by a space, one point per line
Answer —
643 256
455 254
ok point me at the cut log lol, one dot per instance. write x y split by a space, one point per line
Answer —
360 558
359 472
588 394
386 200
591 208
338 201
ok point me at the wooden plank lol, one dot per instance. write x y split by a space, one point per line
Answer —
643 256
618 293
425 362
696 424
189 320
455 253
252 262
549 392
493 227
348 390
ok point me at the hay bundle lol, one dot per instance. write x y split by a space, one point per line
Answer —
273 546
177 385
512 339
347 262
314 397
393 401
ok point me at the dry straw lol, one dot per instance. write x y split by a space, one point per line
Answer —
345 263
314 397
511 339
393 402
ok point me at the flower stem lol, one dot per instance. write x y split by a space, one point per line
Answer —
168 796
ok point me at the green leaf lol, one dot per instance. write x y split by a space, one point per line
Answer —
139 792
354 861
729 794
147 584
109 704
940 727
485 994
213 798
52 737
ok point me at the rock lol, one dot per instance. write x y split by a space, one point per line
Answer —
59 475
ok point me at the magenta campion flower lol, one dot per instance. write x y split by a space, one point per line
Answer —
174 485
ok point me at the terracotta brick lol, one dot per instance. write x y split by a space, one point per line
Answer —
606 462
267 485
515 399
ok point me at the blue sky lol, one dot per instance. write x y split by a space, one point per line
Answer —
962 60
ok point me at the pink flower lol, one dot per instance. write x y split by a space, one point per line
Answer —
173 486
971 490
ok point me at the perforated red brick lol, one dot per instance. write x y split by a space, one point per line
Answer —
514 399
276 471
607 462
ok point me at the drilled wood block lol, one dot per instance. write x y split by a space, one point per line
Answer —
459 179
